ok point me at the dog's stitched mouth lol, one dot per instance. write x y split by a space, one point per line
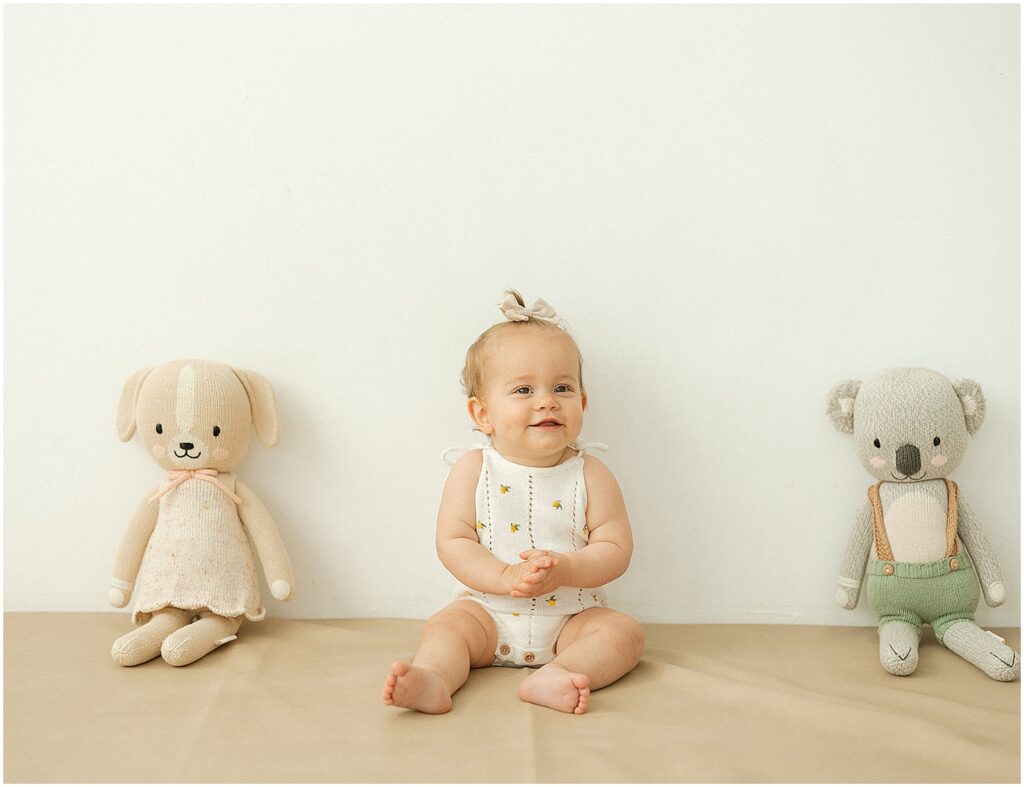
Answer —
188 455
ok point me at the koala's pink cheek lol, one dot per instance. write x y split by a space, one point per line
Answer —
220 454
159 451
877 461
939 460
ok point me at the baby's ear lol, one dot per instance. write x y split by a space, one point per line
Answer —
126 407
264 407
840 405
972 399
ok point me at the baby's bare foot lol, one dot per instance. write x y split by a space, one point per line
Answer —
555 687
417 688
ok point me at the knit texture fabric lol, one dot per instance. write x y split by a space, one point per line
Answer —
520 508
976 542
851 571
923 516
199 556
897 647
916 593
143 644
984 650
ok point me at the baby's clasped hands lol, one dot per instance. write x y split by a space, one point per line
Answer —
540 572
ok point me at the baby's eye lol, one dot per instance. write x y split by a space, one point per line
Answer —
563 388
522 389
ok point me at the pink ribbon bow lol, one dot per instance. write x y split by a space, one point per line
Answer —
178 477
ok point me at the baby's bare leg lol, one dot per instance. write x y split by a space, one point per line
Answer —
596 648
459 637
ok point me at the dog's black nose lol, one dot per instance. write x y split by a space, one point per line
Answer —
908 459
190 446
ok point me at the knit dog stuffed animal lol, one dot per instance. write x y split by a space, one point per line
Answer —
923 547
189 541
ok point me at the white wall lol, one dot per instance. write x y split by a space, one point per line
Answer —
734 207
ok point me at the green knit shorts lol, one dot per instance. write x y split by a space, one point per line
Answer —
919 593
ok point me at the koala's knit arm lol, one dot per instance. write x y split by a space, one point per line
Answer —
975 541
263 532
858 547
133 544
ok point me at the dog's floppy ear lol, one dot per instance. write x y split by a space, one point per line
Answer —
126 408
264 408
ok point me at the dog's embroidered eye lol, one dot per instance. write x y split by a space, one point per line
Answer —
216 431
159 428
877 444
936 441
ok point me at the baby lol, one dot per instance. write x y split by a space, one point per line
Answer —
531 528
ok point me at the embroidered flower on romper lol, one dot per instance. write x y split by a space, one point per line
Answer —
504 489
514 526
552 600
557 505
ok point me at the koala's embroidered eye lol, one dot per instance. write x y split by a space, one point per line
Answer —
216 431
877 444
159 428
936 441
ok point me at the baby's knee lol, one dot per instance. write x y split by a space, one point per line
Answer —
448 622
628 631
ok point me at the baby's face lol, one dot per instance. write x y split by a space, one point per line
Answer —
531 405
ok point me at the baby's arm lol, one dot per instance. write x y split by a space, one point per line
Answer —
459 547
610 546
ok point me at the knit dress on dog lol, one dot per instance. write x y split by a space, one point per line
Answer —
199 556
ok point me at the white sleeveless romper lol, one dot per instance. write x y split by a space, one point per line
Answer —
520 508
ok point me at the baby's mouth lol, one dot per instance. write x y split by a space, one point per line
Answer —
550 423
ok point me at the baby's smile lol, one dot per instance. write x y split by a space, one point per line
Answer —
547 425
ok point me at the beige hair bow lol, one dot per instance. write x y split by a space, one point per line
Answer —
516 312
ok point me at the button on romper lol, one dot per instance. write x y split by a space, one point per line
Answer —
520 508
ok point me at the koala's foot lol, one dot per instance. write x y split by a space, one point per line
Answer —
192 642
143 644
984 650
897 647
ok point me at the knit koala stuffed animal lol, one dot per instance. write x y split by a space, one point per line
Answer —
921 544
190 541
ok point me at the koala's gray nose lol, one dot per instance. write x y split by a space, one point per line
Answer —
190 446
908 459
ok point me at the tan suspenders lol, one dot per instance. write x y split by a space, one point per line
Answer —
882 546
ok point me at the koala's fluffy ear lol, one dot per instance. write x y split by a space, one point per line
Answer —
840 405
264 407
126 407
973 400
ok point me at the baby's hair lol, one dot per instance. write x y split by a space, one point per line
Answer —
476 355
